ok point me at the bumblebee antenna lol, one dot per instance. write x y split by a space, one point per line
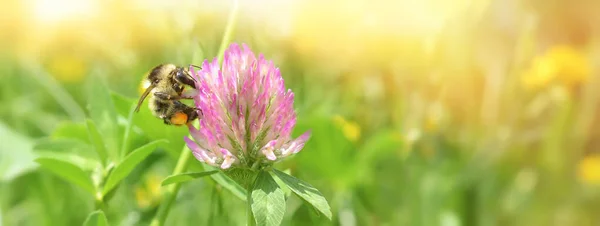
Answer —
196 66
144 95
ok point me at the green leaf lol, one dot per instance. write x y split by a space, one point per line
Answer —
67 144
60 145
72 130
286 191
268 201
133 159
83 162
122 103
69 172
52 146
97 141
243 177
125 106
96 218
16 156
186 177
125 140
306 192
227 183
102 111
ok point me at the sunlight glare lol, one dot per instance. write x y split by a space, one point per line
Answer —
52 11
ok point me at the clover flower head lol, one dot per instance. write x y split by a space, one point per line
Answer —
248 114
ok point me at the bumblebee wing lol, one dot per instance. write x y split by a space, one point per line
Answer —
144 95
189 93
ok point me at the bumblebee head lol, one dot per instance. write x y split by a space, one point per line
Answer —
156 76
161 73
167 78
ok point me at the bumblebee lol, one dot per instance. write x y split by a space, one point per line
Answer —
165 85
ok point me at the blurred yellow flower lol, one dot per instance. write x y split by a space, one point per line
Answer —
351 130
589 170
148 194
67 68
563 65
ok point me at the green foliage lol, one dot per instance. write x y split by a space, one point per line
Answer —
96 218
16 157
126 166
180 178
72 130
307 192
268 201
69 145
104 115
69 172
97 141
228 183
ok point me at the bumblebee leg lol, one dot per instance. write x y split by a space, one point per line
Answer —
162 96
165 119
180 118
166 96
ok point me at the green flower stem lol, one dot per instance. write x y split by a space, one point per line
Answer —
246 178
251 221
228 31
172 190
249 187
99 203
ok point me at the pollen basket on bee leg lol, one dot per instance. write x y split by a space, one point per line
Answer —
179 118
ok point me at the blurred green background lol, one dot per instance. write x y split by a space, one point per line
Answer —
433 112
